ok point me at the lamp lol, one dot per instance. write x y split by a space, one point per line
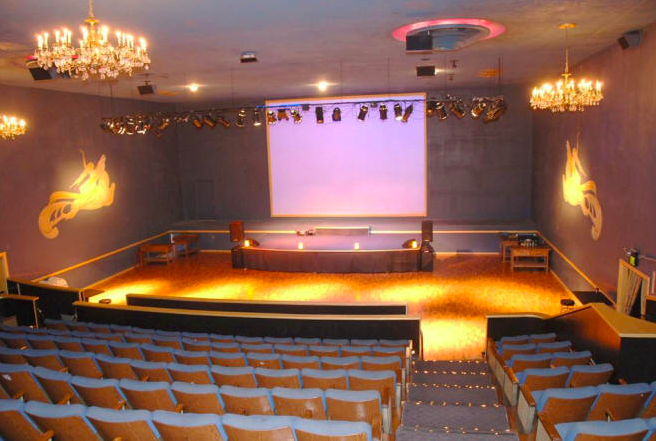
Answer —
337 114
477 108
383 112
407 113
458 109
398 112
11 127
282 114
296 116
440 112
363 112
271 118
496 110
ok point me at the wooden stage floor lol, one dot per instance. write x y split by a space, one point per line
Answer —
452 301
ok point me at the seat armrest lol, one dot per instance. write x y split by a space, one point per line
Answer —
527 395
549 426
511 375
45 436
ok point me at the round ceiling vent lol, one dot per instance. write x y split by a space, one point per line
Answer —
446 34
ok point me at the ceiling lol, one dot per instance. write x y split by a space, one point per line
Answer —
300 42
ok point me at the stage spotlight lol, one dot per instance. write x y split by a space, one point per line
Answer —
247 243
130 126
256 118
497 109
241 118
223 121
398 113
271 117
458 109
319 112
106 124
430 108
296 116
164 124
118 126
407 113
440 111
282 114
356 246
478 107
142 127
337 114
300 245
383 112
210 121
363 112
251 243
411 243
196 121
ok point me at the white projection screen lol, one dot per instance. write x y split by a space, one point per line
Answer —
350 168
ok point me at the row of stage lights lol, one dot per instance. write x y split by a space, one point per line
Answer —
490 109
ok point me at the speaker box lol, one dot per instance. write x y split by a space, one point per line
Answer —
630 39
147 89
237 257
426 258
420 43
236 231
426 231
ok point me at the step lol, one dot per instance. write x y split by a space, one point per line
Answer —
438 378
481 418
404 433
451 365
454 394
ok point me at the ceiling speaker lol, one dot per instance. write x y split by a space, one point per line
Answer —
147 89
630 39
426 71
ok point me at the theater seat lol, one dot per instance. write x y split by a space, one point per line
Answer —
57 385
225 347
590 375
324 379
15 424
260 428
12 356
69 423
357 351
508 350
126 350
564 405
115 367
247 401
156 353
176 426
545 378
295 350
347 405
270 378
542 338
81 363
304 403
335 342
133 337
197 374
308 341
307 430
96 346
192 357
198 398
151 396
123 424
41 342
248 340
520 362
321 351
196 346
554 346
292 361
649 410
237 376
67 343
151 370
228 359
269 361
570 359
279 340
352 362
384 382
19 382
101 393
626 430
619 401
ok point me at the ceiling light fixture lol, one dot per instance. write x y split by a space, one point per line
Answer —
282 114
398 112
565 94
241 119
477 108
256 118
11 127
440 111
322 86
430 108
225 122
497 109
193 87
407 113
95 54
209 120
271 118
363 112
296 116
458 109
382 109
319 112
337 114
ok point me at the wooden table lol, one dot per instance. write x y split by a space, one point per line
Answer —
505 243
188 241
529 257
163 252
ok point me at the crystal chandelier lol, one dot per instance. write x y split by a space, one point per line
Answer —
566 94
95 54
11 127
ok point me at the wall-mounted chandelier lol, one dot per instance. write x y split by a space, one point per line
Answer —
96 55
11 127
487 109
566 94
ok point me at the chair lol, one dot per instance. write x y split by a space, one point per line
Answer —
225 347
81 363
196 346
328 363
363 342
324 379
12 356
55 324
166 341
151 370
234 376
132 337
591 375
308 341
294 362
260 428
190 373
69 423
83 334
72 344
554 346
246 400
99 328
348 405
355 351
20 383
15 424
145 331
15 341
218 338
74 326
269 361
122 329
508 350
126 350
168 334
158 353
57 385
198 398
305 403
542 338
627 430
125 425
197 336
228 359
321 351
96 346
294 350
395 343
188 426
543 378
520 362
279 340
335 342
564 405
48 359
248 340
570 359
308 430
649 410
149 395
191 357
270 378
619 401
388 351
384 382
515 340
101 393
115 367
391 363
262 348
41 342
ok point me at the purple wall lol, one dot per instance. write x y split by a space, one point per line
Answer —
476 171
46 159
617 151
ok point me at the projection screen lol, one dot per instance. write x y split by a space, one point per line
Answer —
348 168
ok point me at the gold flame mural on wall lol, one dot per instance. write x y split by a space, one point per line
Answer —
582 194
94 192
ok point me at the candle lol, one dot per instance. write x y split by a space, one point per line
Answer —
39 38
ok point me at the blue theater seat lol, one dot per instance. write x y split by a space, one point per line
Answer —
352 362
571 358
554 346
123 424
335 342
15 424
320 350
12 356
194 345
279 340
269 361
219 338
69 423
270 378
19 382
193 373
316 430
292 361
151 370
604 429
542 338
225 347
291 349
191 357
158 353
57 385
619 401
234 376
520 362
149 395
349 351
247 401
100 392
242 427
198 398
83 364
508 350
324 379
307 341
176 426
363 342
248 340
47 358
263 348
347 405
589 375
228 359
198 336
305 403
126 350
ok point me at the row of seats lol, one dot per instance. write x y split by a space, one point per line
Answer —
520 362
35 420
606 401
532 338
507 350
634 429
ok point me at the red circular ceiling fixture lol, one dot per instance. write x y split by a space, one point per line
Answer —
495 29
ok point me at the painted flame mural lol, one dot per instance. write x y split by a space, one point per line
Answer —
581 194
93 192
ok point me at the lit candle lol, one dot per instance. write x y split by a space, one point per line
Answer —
118 37
45 40
39 39
105 30
142 41
57 36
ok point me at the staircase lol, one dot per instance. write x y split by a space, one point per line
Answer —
453 400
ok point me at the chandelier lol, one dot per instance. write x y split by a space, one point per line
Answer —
566 94
11 127
95 54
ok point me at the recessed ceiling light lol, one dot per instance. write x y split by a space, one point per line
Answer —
322 86
193 87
